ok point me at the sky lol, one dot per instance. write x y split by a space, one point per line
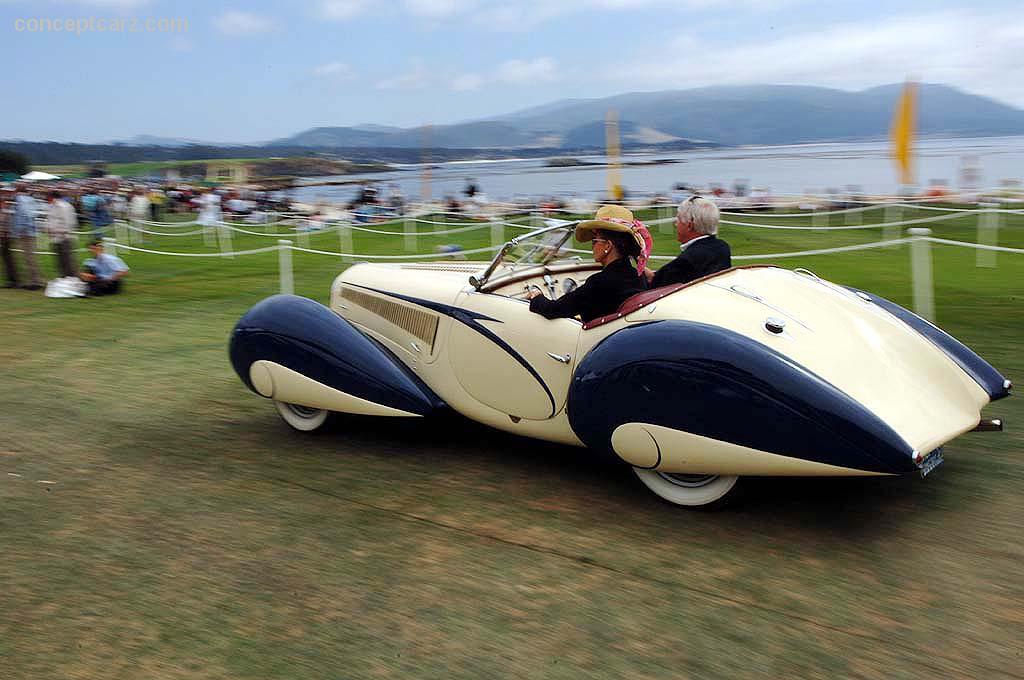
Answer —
243 72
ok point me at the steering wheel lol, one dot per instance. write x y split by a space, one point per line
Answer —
533 287
525 292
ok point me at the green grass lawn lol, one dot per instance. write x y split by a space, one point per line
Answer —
189 534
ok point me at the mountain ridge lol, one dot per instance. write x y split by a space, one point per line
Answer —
724 114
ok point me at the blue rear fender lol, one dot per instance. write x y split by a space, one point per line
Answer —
716 383
307 337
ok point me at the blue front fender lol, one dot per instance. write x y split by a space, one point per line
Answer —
309 338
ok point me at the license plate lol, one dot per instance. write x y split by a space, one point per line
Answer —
933 461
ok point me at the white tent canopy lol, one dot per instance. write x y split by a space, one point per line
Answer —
37 176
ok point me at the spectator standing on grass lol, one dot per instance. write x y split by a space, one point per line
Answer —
61 222
95 207
209 209
118 205
88 200
7 241
156 202
138 209
103 272
23 230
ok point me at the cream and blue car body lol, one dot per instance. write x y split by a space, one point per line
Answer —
751 371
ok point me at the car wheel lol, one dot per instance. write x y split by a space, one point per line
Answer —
688 490
302 418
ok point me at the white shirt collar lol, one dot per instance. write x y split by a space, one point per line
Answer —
692 241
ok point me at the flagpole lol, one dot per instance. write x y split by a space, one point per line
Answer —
613 153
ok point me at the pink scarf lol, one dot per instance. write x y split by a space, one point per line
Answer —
643 238
646 245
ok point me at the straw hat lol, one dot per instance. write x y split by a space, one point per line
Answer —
608 218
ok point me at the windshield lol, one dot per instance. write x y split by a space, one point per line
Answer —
529 250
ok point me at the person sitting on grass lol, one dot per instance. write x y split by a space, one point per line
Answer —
103 272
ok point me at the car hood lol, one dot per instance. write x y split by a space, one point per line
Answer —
434 281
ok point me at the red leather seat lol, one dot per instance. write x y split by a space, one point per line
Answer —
635 302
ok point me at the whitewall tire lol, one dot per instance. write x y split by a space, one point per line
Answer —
302 418
687 490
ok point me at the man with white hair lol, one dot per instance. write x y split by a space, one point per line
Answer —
702 253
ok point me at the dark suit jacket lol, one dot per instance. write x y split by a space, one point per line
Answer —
600 294
702 257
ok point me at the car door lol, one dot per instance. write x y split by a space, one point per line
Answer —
511 359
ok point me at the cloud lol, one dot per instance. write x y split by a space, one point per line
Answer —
341 10
970 49
236 22
503 15
114 4
436 9
527 14
467 82
415 78
334 69
511 72
519 72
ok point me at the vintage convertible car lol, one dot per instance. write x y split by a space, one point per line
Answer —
756 370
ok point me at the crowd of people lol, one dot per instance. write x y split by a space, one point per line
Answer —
64 210
20 210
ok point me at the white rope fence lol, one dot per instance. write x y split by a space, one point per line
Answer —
919 241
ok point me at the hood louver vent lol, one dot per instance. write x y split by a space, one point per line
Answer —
419 323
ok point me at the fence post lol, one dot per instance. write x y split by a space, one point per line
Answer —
819 218
854 216
410 233
988 235
225 239
109 245
892 214
668 226
497 234
345 242
208 235
284 263
921 272
121 231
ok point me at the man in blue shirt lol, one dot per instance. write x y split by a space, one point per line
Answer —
22 229
103 271
94 204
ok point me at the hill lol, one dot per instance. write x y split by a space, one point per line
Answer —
729 115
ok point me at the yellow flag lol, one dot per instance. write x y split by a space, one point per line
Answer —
902 133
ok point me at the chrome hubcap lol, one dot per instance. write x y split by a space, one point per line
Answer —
688 481
303 411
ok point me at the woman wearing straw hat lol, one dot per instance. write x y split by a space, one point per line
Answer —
617 239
